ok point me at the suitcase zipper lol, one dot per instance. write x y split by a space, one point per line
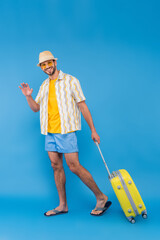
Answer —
127 193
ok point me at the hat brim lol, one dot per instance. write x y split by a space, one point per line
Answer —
38 65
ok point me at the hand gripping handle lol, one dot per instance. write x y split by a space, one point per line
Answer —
103 159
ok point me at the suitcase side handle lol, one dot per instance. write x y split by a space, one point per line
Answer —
103 159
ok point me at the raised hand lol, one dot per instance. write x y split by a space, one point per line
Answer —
26 89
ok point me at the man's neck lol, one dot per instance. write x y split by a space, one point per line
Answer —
54 76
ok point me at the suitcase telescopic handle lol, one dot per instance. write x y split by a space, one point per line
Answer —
103 159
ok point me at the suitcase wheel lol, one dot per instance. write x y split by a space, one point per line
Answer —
144 215
132 220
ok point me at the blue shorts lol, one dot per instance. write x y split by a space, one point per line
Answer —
62 143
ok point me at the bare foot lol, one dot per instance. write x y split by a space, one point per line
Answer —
100 204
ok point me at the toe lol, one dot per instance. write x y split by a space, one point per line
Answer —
95 212
50 212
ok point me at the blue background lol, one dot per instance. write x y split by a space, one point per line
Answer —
113 48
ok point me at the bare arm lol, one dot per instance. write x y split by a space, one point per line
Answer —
87 116
33 105
27 93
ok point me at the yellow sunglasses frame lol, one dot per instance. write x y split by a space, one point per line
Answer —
49 63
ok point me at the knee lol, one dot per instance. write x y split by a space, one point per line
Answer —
56 166
74 167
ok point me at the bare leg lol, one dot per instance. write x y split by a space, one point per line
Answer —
60 180
74 165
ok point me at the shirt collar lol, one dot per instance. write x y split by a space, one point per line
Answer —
61 75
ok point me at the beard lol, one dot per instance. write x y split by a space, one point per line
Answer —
52 72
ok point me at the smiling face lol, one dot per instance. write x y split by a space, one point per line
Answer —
49 67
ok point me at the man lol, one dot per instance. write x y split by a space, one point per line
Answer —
60 100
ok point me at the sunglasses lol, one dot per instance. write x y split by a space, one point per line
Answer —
44 65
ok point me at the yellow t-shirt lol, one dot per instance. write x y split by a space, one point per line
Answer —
54 122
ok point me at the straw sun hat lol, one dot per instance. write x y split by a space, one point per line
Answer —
45 56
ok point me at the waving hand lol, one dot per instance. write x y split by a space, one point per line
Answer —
26 89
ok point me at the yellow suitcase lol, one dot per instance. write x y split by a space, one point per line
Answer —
126 192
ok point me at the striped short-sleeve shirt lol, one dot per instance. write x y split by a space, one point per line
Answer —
68 94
